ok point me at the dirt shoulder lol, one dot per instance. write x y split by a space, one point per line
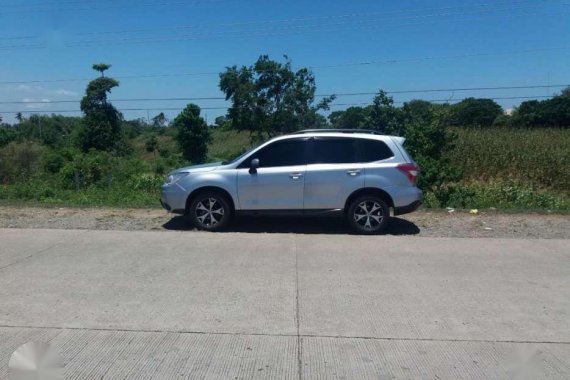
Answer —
435 223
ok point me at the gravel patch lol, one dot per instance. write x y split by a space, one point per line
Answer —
434 223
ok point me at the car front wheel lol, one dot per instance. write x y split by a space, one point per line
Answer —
210 211
368 215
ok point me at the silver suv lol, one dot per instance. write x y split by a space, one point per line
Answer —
358 174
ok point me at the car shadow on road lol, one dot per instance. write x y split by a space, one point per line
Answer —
397 226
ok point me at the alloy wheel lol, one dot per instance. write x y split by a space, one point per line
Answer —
369 215
209 212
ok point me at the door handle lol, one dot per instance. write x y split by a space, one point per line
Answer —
295 176
353 172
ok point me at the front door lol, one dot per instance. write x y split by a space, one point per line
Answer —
279 181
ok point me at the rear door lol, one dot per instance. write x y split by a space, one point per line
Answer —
333 172
280 178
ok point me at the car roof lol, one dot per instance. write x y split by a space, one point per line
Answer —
362 135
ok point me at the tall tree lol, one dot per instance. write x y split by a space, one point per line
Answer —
102 122
19 117
384 117
193 134
269 98
101 67
474 112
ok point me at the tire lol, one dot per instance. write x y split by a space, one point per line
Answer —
368 215
210 211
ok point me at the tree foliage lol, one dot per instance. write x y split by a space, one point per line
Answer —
473 112
269 98
101 67
384 117
102 121
554 112
192 134
351 118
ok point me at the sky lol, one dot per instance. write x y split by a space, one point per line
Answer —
175 49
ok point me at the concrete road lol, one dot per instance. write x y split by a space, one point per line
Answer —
286 306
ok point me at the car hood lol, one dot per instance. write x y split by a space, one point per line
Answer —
199 168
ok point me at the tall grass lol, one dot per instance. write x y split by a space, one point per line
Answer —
534 157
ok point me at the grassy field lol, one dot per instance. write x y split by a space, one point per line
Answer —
539 158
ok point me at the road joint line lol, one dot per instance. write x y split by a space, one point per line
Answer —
285 335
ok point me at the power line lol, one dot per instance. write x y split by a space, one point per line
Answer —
225 108
325 66
308 28
314 18
49 6
22 47
292 29
464 89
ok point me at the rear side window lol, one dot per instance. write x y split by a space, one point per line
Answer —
373 150
334 151
280 153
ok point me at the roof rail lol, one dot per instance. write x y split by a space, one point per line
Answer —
337 131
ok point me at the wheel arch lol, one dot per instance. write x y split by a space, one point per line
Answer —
204 189
369 191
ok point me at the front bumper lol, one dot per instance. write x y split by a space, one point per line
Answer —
165 205
173 199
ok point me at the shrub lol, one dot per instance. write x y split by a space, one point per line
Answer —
193 134
20 160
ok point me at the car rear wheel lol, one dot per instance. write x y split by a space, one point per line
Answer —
210 211
368 215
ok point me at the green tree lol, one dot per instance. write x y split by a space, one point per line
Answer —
384 117
269 98
19 117
102 122
472 112
429 140
193 134
351 118
7 135
222 122
101 67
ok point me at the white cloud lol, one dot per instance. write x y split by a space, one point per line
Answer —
27 88
33 103
65 92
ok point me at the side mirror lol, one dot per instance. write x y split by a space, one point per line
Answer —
253 166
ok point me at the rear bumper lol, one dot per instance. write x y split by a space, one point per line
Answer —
408 208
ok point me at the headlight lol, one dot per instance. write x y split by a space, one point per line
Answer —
175 177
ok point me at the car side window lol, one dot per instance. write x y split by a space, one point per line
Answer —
334 150
373 150
280 153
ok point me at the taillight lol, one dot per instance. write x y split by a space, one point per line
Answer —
410 170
